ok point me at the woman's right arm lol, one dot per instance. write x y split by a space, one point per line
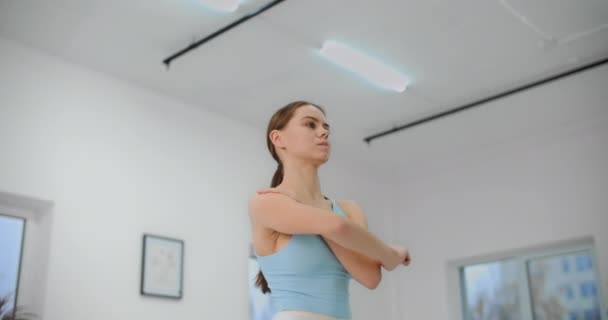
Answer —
281 213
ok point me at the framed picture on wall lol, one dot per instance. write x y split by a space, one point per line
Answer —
162 267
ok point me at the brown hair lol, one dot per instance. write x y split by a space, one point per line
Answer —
278 121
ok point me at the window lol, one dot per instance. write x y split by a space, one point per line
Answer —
25 229
11 245
547 284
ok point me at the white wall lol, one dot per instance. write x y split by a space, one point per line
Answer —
544 185
117 161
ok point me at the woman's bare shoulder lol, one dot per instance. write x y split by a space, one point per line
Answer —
265 199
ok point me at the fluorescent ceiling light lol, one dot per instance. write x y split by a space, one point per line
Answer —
365 66
222 5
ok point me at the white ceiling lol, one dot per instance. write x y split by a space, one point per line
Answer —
454 51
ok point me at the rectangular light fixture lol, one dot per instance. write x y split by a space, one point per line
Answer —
222 5
373 70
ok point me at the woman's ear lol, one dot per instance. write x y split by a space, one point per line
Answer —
276 138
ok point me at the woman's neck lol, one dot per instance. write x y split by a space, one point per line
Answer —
303 182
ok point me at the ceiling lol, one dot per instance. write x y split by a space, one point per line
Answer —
454 52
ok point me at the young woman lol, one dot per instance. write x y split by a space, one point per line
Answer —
309 246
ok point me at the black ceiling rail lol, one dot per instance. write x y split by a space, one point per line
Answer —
208 38
488 99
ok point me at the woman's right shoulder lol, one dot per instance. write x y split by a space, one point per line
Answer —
262 206
261 202
268 198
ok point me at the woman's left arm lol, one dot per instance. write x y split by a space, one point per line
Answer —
363 269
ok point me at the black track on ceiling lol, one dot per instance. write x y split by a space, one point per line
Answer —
215 34
452 111
479 102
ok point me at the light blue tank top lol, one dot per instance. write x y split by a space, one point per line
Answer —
305 275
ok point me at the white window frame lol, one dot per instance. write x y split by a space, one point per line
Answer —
457 297
33 271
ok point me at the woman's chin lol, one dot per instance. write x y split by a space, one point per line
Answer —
321 160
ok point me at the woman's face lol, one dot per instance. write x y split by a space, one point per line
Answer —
306 136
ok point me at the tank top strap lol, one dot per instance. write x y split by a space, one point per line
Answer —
333 203
336 208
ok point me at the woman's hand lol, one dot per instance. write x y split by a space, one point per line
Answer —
407 260
402 257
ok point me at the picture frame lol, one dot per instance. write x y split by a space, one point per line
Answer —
162 267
